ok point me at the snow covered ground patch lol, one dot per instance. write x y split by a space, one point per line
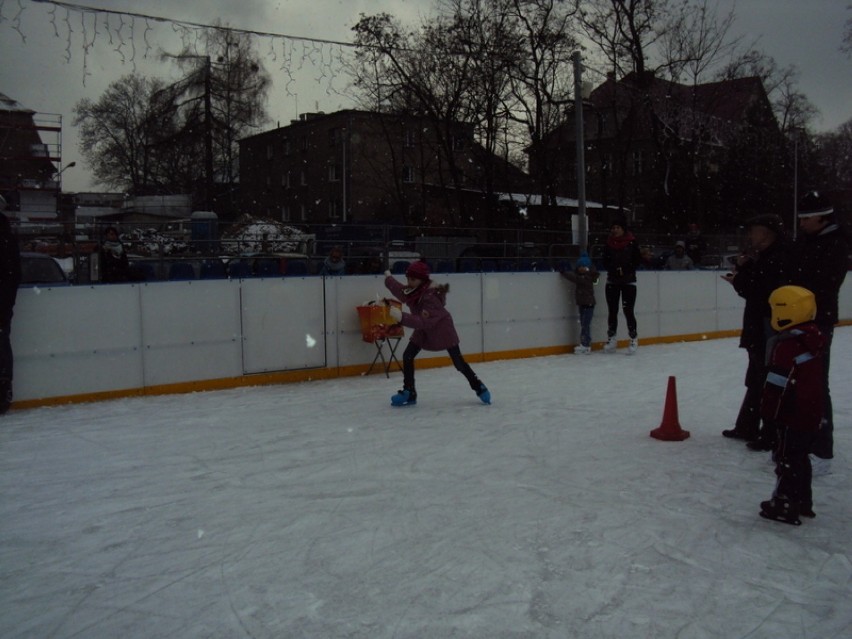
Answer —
317 510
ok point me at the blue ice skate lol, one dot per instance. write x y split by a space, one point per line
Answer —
405 397
484 394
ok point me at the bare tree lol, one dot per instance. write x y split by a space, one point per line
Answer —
542 75
222 98
792 108
118 134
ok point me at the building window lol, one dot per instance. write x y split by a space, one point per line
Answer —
285 180
334 136
458 143
637 162
409 137
334 173
334 209
268 181
304 143
270 151
285 213
303 178
303 212
407 174
287 146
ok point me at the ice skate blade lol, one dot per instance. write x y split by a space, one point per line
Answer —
792 522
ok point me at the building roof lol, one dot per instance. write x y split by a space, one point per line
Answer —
8 104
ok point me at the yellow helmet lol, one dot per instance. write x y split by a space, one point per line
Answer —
791 305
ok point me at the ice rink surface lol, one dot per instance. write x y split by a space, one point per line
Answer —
316 510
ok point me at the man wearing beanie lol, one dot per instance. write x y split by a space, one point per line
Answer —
820 262
433 329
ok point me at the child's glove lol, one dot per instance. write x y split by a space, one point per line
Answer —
396 313
388 273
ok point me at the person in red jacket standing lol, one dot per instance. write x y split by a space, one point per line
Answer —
793 400
433 329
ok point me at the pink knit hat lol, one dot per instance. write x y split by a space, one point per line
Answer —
418 270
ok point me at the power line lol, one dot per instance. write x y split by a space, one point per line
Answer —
68 6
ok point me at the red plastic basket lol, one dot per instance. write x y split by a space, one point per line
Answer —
376 322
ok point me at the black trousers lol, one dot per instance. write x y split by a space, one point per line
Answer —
793 466
412 351
748 419
6 361
626 293
823 445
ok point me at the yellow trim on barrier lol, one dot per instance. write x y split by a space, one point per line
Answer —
312 374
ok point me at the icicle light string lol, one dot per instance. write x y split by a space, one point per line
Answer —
122 34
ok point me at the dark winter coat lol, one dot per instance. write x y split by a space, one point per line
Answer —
584 285
10 269
114 263
620 258
432 323
793 396
754 281
819 264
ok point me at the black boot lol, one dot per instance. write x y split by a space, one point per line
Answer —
761 444
740 433
781 509
5 395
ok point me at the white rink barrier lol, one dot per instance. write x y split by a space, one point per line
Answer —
81 343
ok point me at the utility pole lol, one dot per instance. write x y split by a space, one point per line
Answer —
208 135
582 222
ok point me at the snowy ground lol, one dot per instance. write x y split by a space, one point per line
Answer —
317 511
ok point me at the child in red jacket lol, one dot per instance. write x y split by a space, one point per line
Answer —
433 329
793 400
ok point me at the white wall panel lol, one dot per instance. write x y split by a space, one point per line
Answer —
74 340
191 331
283 323
525 310
89 339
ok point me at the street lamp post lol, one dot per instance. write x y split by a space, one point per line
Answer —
582 223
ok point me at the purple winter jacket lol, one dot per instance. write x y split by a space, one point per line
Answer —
432 323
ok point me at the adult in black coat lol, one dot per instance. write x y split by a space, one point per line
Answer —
820 263
761 269
10 279
621 257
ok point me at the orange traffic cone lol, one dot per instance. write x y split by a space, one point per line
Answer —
670 429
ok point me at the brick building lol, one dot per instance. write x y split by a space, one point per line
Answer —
362 167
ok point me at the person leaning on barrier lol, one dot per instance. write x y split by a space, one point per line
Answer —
679 260
334 264
10 279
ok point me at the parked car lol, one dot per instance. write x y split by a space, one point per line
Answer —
40 268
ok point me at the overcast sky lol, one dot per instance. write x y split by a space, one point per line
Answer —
46 70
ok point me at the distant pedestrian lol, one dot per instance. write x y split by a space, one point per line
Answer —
10 279
793 400
115 266
679 260
620 259
696 244
433 329
820 263
584 276
334 264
